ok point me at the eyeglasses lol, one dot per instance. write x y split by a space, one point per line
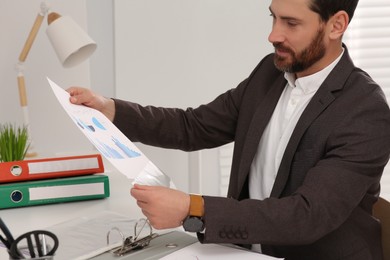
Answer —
37 244
132 243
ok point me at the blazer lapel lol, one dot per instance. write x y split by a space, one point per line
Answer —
319 102
322 99
259 121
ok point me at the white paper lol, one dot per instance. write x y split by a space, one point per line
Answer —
111 142
199 251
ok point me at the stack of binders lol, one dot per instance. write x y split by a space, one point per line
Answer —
52 180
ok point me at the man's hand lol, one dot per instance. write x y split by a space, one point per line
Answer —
86 97
164 207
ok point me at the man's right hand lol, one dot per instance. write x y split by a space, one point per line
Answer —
86 97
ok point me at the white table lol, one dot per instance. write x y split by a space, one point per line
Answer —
24 219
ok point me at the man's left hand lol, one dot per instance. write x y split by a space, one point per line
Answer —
164 207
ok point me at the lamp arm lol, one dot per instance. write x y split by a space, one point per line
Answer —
20 77
23 56
33 33
22 90
31 37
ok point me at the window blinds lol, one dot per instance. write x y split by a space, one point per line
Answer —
368 41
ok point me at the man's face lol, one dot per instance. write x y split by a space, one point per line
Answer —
298 62
298 37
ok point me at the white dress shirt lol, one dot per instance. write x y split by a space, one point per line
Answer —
293 101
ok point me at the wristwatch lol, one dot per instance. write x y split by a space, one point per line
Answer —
194 222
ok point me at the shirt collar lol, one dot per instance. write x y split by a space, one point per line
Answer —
311 83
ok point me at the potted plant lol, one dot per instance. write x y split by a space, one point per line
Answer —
14 142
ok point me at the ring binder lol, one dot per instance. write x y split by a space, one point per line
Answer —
133 243
46 168
30 193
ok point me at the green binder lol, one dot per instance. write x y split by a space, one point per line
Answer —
56 190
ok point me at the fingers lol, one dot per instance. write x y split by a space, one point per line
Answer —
140 193
142 187
80 95
72 90
164 207
75 91
145 197
141 196
86 97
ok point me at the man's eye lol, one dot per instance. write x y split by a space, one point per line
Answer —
292 24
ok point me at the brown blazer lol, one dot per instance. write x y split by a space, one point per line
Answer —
321 203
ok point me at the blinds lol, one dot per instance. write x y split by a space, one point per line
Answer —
368 41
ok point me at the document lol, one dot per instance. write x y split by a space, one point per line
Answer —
111 142
213 252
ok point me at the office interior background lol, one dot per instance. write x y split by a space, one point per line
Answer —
175 53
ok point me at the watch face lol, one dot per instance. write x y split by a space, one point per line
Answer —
193 224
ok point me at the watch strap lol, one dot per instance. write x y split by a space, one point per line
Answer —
196 205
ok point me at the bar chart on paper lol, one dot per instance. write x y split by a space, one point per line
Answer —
115 148
111 142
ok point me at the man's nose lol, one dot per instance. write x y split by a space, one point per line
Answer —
276 35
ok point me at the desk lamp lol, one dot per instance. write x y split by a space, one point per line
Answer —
71 44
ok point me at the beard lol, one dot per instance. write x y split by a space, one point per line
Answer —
303 60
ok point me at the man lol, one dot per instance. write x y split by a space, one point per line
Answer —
311 133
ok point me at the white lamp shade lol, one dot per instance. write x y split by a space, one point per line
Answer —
69 41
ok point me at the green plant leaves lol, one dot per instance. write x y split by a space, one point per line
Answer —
13 142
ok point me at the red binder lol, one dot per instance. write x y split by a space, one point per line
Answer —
48 168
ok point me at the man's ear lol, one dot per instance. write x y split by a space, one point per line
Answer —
339 23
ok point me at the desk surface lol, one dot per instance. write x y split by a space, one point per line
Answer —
21 220
24 219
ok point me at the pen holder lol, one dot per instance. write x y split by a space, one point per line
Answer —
39 243
34 245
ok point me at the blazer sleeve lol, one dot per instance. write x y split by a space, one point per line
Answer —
210 125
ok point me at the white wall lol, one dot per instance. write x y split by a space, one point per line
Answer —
52 131
101 29
165 52
182 53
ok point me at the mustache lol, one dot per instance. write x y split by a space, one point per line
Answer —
279 46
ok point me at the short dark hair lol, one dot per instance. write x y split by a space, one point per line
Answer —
327 8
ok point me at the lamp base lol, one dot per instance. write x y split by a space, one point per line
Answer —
31 155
